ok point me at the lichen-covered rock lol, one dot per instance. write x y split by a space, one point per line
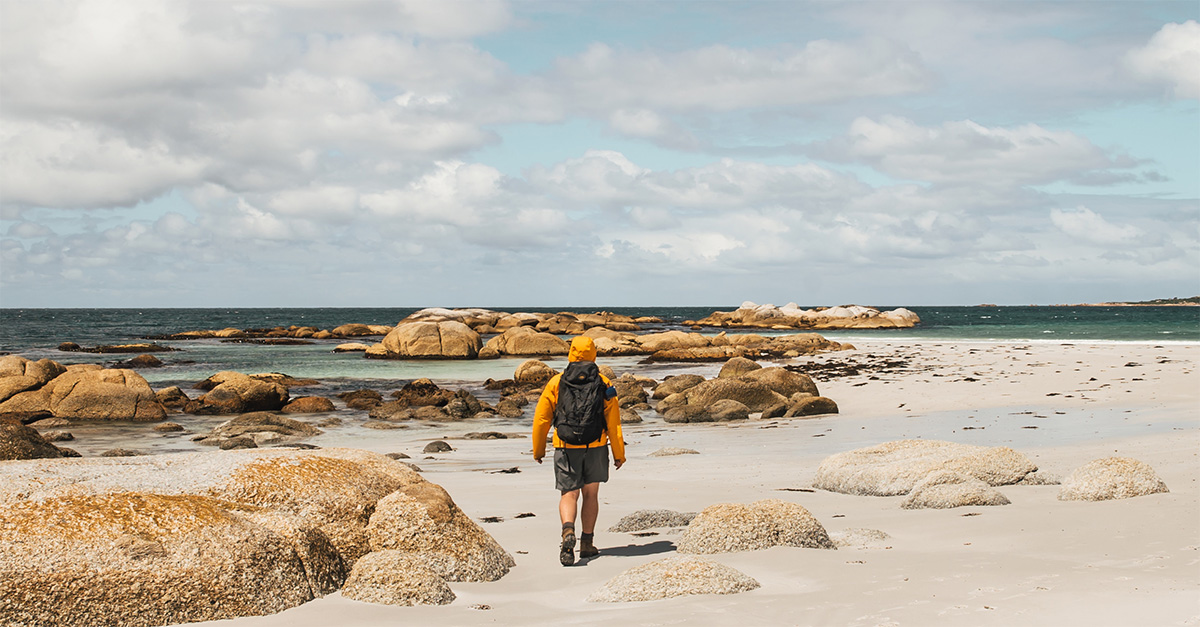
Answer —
1111 478
754 395
893 468
651 518
673 577
737 367
422 519
630 416
235 393
41 371
308 405
140 559
172 397
396 578
263 428
810 406
782 381
728 527
526 341
103 394
945 489
677 383
437 340
18 441
533 372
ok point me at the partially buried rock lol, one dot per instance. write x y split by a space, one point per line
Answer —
858 537
485 435
437 446
629 416
121 452
168 427
1111 478
728 527
893 468
393 577
673 450
651 518
945 489
673 577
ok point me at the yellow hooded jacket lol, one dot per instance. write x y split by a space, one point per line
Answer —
582 349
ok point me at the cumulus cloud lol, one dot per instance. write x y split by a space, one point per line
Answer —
967 152
1087 225
1172 58
724 78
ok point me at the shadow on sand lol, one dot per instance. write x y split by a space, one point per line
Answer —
635 550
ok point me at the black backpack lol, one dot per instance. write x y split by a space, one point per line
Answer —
579 415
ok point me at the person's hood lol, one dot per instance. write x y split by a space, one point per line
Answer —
582 349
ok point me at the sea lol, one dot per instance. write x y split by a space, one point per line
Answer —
37 333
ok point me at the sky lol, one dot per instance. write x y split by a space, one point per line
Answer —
413 153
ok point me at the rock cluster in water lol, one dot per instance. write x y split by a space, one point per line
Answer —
791 316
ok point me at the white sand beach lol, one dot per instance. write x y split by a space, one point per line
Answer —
1037 561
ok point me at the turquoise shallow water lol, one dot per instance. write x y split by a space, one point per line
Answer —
35 333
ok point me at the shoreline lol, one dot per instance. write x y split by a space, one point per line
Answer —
1038 561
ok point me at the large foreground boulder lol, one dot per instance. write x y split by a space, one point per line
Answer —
728 527
141 559
1111 478
166 539
893 468
673 577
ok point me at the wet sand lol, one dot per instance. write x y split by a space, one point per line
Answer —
1038 561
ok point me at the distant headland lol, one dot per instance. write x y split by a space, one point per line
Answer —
1193 301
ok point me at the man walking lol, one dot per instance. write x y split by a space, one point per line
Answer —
581 405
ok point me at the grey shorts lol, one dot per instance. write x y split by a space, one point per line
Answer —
574 467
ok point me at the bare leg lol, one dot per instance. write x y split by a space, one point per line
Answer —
591 507
569 504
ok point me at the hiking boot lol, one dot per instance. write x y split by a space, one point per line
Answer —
567 554
587 549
